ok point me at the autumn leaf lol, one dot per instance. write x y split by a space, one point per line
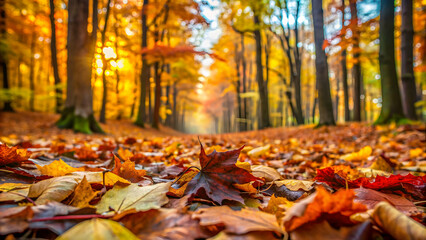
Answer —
83 194
53 189
13 191
334 208
323 230
99 177
57 168
268 173
371 198
217 175
98 229
164 224
238 222
124 197
277 206
396 223
9 155
361 155
409 184
127 170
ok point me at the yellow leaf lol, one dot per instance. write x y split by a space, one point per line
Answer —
382 165
244 165
361 155
98 229
268 173
124 197
83 194
415 152
296 185
172 148
57 168
257 152
97 177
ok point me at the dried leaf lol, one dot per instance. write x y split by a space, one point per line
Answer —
396 223
127 170
83 194
98 229
268 173
257 152
53 189
296 185
334 208
361 155
323 230
238 222
124 197
57 168
9 155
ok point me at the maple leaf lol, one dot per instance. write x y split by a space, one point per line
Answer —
9 155
217 176
127 170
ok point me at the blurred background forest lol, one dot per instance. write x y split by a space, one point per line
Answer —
214 66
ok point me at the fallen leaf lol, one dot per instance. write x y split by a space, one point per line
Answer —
9 155
277 206
13 191
127 170
382 165
257 152
361 155
98 177
217 175
396 223
164 224
323 230
238 222
335 208
53 189
98 229
296 185
57 168
83 194
124 197
15 220
268 173
85 153
371 198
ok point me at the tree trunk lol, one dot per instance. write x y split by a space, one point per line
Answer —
7 107
407 71
356 69
78 112
391 99
102 117
323 83
345 73
54 58
263 91
237 60
157 96
174 108
32 69
244 114
145 71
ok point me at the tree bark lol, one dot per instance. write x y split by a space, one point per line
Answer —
102 117
244 83
237 60
32 69
263 91
391 98
54 58
7 107
323 83
356 70
144 78
78 112
407 71
345 72
157 96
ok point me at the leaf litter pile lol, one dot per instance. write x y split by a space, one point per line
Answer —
347 182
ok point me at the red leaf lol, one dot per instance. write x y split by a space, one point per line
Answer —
409 184
217 175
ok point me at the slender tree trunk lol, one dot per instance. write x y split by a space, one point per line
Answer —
54 58
145 71
407 71
244 78
117 72
102 117
157 96
237 60
7 107
345 73
78 112
323 83
263 90
174 108
135 91
391 98
32 69
356 69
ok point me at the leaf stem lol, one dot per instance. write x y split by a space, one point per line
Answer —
69 217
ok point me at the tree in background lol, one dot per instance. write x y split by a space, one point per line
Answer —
54 56
391 106
323 83
102 117
407 71
78 112
345 69
356 69
3 56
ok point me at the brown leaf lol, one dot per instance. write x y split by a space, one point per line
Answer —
164 224
371 198
396 223
127 170
323 230
83 194
53 189
238 222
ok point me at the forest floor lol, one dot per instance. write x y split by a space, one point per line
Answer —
329 182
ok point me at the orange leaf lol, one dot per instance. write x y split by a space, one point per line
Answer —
334 208
127 170
9 155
